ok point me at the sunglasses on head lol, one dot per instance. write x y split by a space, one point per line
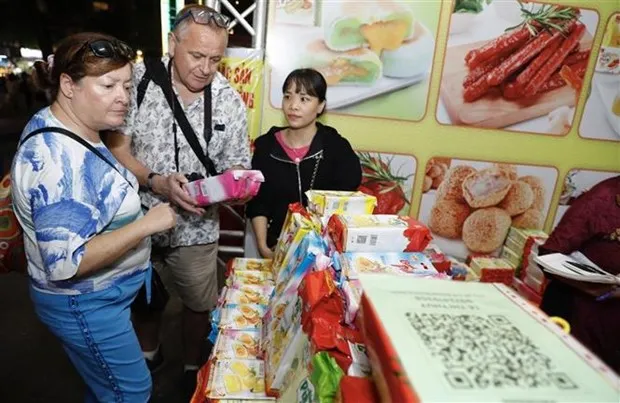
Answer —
107 49
203 17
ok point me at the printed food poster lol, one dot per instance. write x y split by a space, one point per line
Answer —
375 55
243 68
576 182
472 204
388 177
601 116
513 65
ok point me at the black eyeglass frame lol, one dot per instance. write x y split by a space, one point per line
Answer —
106 49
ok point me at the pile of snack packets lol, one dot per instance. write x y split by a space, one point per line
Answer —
287 329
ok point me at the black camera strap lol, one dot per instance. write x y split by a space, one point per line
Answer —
162 77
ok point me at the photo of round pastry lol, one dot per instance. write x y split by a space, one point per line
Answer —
448 217
486 188
452 186
519 198
485 230
477 202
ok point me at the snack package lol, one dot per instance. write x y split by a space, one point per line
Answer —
250 277
440 261
378 233
513 245
282 364
357 390
249 294
237 379
297 225
325 377
518 236
493 270
526 292
406 263
530 251
240 316
461 272
328 202
310 244
512 257
352 290
244 264
304 260
537 285
238 344
231 185
360 365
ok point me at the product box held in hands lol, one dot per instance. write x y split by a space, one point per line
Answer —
328 202
231 185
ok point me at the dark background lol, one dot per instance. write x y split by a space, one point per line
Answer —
42 23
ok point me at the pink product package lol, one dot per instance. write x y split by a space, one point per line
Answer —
231 185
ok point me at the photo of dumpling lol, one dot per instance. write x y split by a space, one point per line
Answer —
539 191
452 186
518 199
485 230
530 219
486 188
447 218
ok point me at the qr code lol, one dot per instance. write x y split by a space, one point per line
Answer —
481 352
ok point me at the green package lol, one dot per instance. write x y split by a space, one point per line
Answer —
325 377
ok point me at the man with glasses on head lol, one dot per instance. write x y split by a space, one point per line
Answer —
158 149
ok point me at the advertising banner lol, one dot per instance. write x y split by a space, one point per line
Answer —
448 86
243 68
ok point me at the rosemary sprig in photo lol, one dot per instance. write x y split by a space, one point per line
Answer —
546 17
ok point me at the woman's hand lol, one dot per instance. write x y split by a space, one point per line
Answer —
265 252
160 218
171 187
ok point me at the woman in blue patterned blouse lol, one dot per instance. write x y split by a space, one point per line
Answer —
87 241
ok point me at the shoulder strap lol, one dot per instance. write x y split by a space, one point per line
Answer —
159 75
76 138
143 85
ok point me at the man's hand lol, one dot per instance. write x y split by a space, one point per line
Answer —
171 187
238 202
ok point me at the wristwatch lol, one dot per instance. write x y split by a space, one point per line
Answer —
149 180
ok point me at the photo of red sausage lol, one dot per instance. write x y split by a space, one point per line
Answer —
556 60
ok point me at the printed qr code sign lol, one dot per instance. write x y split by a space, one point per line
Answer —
482 352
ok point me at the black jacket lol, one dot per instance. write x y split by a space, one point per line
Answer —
330 155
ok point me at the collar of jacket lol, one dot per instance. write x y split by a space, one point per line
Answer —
315 150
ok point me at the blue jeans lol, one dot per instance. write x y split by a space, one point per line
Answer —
96 332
